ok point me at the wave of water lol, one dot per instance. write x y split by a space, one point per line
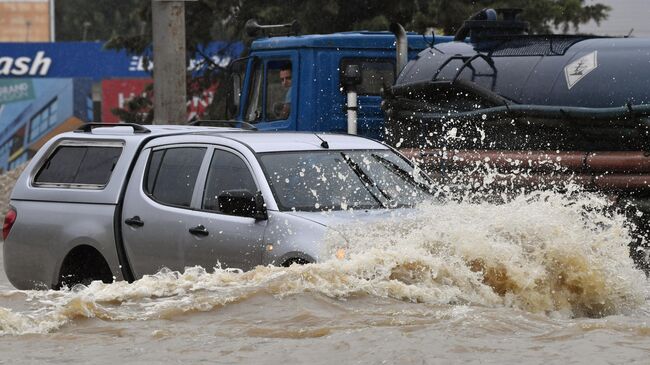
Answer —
543 252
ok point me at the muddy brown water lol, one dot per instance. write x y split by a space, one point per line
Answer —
539 280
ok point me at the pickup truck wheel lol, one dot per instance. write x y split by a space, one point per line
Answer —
83 265
294 260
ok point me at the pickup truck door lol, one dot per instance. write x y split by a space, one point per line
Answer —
228 240
156 213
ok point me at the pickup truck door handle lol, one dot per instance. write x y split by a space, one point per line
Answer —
199 230
134 221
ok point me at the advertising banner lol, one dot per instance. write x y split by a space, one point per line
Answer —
117 92
92 60
12 90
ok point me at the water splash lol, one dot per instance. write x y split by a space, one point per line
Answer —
541 252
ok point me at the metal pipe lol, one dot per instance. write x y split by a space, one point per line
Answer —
352 111
52 21
401 47
503 160
540 180
540 111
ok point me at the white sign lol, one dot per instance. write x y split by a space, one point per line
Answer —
578 69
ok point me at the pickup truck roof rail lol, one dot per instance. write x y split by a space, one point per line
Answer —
88 127
224 123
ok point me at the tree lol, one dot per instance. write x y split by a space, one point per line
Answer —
544 16
77 20
209 20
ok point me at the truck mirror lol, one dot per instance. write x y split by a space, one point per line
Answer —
352 76
242 203
260 207
237 202
236 90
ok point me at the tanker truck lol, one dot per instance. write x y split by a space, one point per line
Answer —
499 110
489 110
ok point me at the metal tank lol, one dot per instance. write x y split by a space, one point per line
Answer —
500 74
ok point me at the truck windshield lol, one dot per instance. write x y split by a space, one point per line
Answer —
340 180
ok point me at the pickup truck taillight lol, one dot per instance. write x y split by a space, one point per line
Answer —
10 219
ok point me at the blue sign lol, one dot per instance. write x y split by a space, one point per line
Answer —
91 60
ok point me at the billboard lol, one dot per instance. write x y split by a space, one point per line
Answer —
48 88
92 60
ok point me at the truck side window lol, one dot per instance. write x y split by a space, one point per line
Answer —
79 165
227 172
375 74
171 175
278 90
254 108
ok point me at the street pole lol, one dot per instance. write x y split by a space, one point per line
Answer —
169 83
52 21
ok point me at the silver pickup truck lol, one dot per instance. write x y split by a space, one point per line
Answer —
116 203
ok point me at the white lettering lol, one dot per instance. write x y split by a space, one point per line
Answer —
41 62
14 91
137 63
121 100
21 66
5 65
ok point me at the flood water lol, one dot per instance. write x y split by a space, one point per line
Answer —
543 279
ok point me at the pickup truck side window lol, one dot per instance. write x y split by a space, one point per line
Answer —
81 166
375 74
227 172
171 175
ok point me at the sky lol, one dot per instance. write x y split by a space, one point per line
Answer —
624 16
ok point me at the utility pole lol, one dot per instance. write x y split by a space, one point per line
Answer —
168 25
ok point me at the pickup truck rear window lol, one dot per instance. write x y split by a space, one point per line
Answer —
85 166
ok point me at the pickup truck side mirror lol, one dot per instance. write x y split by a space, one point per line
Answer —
242 203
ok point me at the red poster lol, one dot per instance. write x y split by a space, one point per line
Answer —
117 92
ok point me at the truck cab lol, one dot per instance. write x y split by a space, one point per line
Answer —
313 98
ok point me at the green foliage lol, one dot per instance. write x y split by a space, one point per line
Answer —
99 20
129 21
544 16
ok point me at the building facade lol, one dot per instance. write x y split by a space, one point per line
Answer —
26 20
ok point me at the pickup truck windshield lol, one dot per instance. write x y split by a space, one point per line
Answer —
339 180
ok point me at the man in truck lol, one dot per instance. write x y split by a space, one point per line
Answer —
285 79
